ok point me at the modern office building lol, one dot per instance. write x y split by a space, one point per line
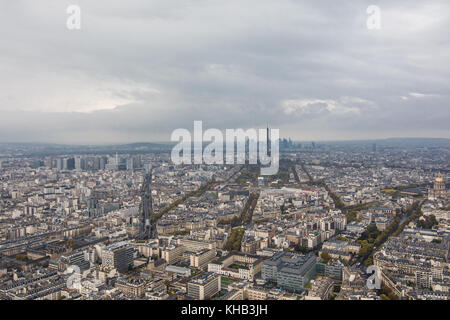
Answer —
204 286
333 269
93 207
118 255
289 270
76 258
172 254
201 258
424 279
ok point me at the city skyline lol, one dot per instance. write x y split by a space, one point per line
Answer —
169 143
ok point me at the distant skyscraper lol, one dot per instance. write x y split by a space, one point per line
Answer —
93 207
113 163
130 164
147 228
138 162
102 163
80 163
49 162
59 164
69 164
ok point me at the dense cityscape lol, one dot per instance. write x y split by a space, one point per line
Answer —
125 223
224 159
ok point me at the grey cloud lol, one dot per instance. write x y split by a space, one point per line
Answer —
136 71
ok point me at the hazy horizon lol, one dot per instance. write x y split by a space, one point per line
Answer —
206 142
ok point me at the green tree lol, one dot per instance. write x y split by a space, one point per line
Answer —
325 256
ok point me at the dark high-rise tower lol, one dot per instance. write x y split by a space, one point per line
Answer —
93 207
147 229
268 140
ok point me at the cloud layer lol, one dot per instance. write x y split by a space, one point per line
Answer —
138 70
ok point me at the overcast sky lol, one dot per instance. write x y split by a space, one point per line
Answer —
139 69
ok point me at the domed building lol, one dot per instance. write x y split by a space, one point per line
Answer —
439 191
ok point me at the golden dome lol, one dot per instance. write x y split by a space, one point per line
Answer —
439 178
